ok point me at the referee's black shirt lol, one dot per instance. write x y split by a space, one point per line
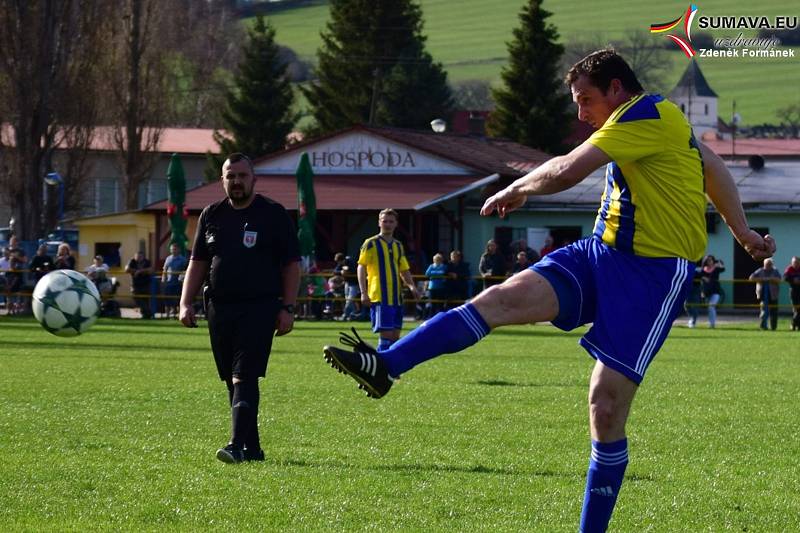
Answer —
247 249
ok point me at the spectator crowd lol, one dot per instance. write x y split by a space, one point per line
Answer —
334 293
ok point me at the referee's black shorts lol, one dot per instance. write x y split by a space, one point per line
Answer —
241 336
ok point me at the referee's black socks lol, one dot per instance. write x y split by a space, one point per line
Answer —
244 410
252 441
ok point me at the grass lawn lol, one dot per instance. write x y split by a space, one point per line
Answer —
117 429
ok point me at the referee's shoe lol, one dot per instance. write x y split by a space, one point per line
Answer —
363 364
231 454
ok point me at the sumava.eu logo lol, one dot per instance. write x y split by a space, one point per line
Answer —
685 43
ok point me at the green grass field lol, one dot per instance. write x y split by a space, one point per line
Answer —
117 429
469 38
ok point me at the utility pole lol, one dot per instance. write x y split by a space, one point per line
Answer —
735 119
375 89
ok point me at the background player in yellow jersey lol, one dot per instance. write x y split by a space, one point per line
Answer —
629 279
382 265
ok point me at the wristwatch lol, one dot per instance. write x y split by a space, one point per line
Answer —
289 308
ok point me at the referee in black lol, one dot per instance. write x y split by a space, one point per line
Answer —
246 247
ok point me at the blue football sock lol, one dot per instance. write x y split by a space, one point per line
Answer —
448 332
383 344
603 481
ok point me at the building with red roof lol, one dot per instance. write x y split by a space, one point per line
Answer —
428 177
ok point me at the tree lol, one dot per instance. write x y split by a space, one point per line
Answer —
648 59
473 95
205 47
259 111
48 95
373 68
790 116
138 98
532 107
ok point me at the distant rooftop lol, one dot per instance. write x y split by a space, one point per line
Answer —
181 140
775 148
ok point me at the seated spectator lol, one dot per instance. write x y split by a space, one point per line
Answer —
64 259
16 276
522 263
172 278
711 289
437 286
41 263
522 246
316 287
458 280
334 295
352 307
492 266
340 263
548 246
98 273
5 266
693 299
141 272
792 276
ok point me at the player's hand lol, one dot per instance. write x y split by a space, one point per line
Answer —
365 301
187 317
284 323
504 202
757 246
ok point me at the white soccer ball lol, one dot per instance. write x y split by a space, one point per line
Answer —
66 303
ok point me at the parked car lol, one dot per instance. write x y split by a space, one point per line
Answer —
69 236
5 234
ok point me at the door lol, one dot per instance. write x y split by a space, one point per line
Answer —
744 265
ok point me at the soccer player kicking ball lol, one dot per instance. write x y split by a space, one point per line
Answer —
629 279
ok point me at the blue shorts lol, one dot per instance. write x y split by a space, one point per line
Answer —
631 300
386 317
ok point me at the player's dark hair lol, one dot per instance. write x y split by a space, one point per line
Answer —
601 67
238 156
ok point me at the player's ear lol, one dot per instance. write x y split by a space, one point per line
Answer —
616 86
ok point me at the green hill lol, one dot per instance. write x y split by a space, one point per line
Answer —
469 38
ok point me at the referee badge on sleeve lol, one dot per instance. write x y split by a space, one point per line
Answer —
249 239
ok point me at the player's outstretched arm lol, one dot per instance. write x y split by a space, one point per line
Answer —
552 176
722 192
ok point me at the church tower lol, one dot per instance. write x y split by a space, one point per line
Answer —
697 100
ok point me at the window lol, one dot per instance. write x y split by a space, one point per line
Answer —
106 195
152 191
110 252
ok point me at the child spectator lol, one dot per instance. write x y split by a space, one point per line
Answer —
437 285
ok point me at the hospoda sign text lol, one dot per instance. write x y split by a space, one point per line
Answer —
384 158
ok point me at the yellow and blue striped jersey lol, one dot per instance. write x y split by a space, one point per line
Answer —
654 202
384 262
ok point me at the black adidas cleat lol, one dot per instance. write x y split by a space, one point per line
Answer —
363 364
231 454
